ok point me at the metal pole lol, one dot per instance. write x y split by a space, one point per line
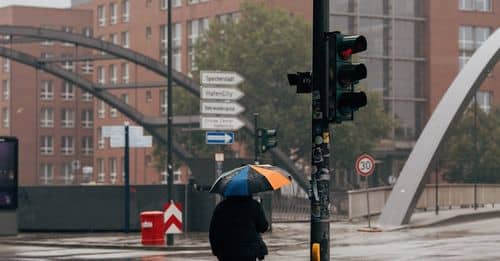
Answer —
320 176
367 202
256 138
170 169
437 186
475 152
126 169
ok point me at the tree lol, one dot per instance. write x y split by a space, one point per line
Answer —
464 161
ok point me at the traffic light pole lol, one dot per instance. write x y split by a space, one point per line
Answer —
256 138
320 176
170 166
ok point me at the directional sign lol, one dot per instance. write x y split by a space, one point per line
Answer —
113 130
224 108
220 123
365 165
221 138
220 78
220 93
141 142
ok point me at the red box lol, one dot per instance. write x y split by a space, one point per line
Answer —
152 228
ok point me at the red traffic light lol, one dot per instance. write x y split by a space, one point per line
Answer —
351 44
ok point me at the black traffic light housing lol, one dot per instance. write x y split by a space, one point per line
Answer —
303 81
267 139
343 101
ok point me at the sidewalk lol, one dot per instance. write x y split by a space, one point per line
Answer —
284 235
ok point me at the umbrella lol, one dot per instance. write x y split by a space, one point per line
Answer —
250 179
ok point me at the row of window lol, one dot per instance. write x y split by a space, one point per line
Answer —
46 174
5 90
102 14
475 5
67 92
113 74
67 118
67 145
86 31
5 118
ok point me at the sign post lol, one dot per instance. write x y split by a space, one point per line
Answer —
365 165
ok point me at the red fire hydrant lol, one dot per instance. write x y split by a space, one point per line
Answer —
152 228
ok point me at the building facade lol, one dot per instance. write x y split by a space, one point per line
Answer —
52 119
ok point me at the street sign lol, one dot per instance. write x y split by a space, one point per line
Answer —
141 142
365 165
223 108
172 218
219 137
113 130
220 78
220 123
221 93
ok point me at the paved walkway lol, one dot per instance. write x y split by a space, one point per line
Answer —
284 235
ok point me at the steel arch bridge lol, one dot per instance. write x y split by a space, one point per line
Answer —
406 192
28 34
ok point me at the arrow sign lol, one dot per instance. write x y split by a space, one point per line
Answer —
224 108
220 78
220 123
212 137
216 93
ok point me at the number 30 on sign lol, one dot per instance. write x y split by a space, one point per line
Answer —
365 165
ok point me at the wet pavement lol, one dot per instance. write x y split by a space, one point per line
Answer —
433 238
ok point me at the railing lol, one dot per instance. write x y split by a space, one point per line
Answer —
449 196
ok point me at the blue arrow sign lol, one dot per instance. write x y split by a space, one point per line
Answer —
219 137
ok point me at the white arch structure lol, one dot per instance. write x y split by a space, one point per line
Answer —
406 192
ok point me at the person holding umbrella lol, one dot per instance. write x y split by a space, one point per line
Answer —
238 220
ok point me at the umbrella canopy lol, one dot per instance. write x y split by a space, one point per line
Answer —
249 179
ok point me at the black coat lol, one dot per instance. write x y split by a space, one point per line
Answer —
235 227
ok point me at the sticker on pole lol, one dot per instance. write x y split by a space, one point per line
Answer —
365 165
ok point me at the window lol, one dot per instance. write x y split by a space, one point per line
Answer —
469 39
67 91
101 111
46 173
68 118
112 170
100 143
125 39
175 3
484 100
6 65
113 74
87 31
124 97
5 118
125 73
100 170
101 75
5 90
163 102
67 173
67 29
47 90
47 42
101 15
87 118
102 38
68 65
67 145
113 113
149 97
87 67
113 38
126 10
113 10
149 32
46 145
87 146
86 97
195 29
47 118
475 5
176 45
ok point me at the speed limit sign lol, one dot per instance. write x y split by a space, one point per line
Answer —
365 165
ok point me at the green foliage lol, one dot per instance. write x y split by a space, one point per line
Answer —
464 161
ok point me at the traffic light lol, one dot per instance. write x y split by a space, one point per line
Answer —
343 101
267 139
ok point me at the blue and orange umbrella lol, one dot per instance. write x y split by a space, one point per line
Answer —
250 179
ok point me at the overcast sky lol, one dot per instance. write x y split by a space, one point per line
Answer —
44 3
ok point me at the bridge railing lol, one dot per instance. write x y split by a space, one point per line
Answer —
449 196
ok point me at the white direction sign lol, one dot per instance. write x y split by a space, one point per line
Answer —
220 78
216 93
113 130
220 123
223 108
